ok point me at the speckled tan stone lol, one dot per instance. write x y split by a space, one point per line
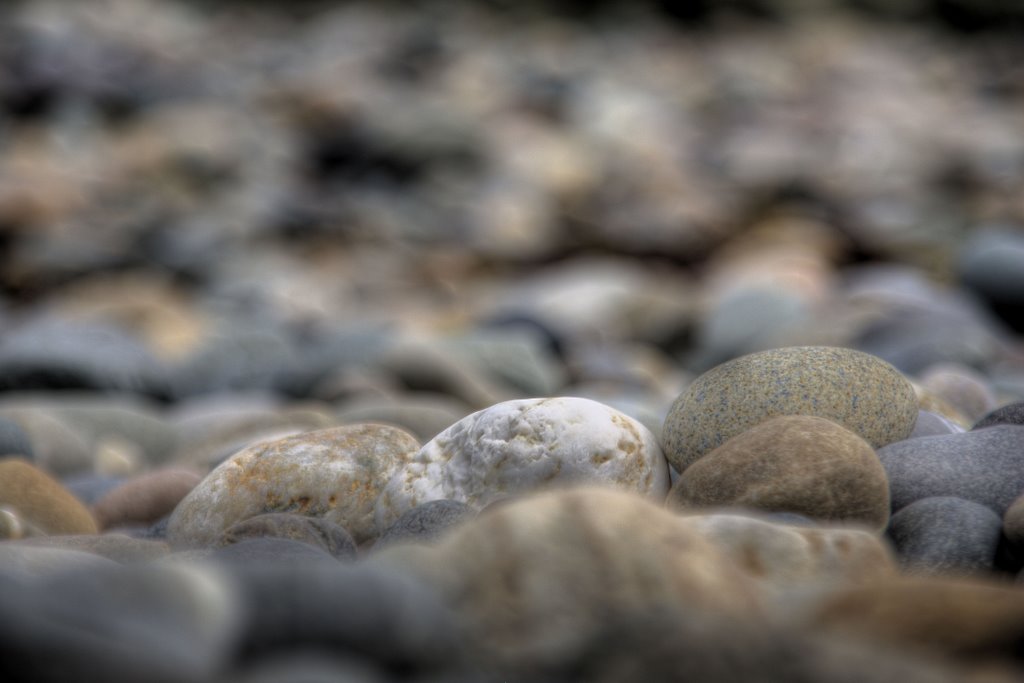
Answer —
41 501
791 463
336 474
859 391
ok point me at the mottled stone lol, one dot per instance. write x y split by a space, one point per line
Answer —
117 547
426 523
315 531
525 445
985 465
1009 414
335 473
537 575
858 391
944 534
791 463
145 498
784 557
42 501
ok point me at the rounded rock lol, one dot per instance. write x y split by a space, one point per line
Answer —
14 440
336 474
316 532
1009 414
854 389
426 523
1013 521
527 445
145 498
945 534
791 463
41 501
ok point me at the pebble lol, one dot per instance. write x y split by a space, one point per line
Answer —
336 474
268 551
14 441
1009 414
309 667
944 534
985 466
791 463
145 498
524 445
991 264
41 501
423 414
933 424
965 389
91 487
58 448
858 391
317 532
1013 521
117 547
30 561
621 555
426 523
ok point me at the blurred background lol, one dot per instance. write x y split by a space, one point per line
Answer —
408 211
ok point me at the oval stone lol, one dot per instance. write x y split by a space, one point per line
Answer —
854 389
145 498
336 474
791 463
315 531
41 501
527 445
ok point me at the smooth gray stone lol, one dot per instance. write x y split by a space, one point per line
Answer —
14 440
89 487
944 534
932 424
1010 414
33 561
425 523
270 551
320 533
986 466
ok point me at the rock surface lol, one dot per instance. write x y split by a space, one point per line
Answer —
41 501
944 534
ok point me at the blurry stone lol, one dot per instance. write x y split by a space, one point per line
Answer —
59 449
424 415
945 535
855 390
317 532
992 264
622 556
117 547
1011 413
525 445
117 457
308 667
145 498
91 487
30 561
791 463
1013 521
426 523
985 466
41 501
129 425
268 550
516 358
14 441
13 527
933 424
336 474
965 389
931 402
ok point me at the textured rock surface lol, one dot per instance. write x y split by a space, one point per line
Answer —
525 445
315 531
145 498
336 474
856 390
791 463
986 466
538 575
944 534
425 523
41 501
1011 413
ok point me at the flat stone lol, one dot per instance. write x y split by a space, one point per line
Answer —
525 445
42 501
426 523
145 498
335 473
791 463
535 576
117 547
985 465
944 534
317 532
1009 414
858 391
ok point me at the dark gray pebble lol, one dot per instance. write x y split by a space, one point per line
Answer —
317 532
270 551
1010 414
426 522
944 534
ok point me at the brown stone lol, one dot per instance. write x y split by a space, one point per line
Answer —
41 501
144 499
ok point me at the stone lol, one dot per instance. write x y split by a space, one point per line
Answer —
42 501
145 498
524 445
425 415
791 463
13 527
963 388
58 448
945 535
90 488
14 441
309 667
858 391
117 547
538 575
933 424
517 358
985 465
1013 521
991 264
336 474
269 551
426 523
786 558
1009 414
32 561
969 620
317 532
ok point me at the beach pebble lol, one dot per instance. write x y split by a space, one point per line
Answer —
933 424
426 523
32 561
41 501
424 414
1009 414
791 463
316 531
14 440
525 445
335 473
945 534
963 388
858 391
985 465
1013 521
268 551
145 498
117 547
